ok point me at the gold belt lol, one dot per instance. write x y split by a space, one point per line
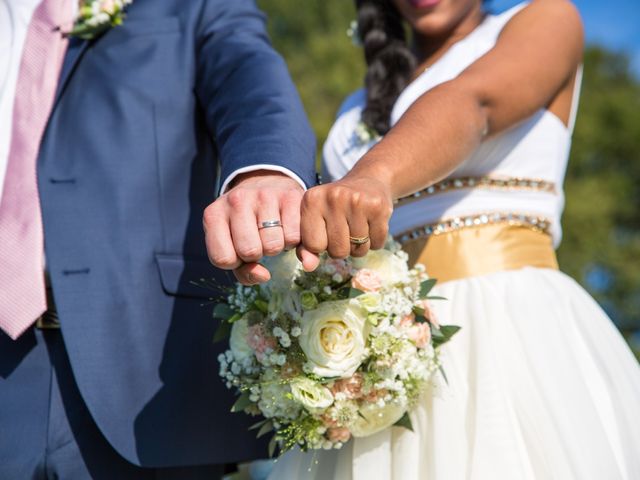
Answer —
473 251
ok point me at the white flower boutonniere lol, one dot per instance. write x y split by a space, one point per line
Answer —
97 16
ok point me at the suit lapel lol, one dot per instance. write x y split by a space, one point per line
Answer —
75 50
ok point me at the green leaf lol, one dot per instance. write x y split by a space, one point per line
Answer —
266 428
405 422
242 402
435 297
354 293
349 292
272 446
449 330
257 425
261 305
444 375
222 310
222 332
426 286
436 332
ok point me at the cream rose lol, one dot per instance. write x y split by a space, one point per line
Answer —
312 395
374 419
390 268
333 338
238 339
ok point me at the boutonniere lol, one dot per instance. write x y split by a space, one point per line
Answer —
96 17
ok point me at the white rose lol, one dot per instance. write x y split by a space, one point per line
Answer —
283 269
333 338
389 266
370 301
238 339
374 419
312 395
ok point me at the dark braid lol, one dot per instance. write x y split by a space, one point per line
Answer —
389 60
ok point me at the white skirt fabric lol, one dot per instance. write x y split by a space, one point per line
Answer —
541 386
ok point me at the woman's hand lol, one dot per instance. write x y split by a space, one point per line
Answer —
347 217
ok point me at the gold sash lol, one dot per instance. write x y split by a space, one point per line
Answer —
474 251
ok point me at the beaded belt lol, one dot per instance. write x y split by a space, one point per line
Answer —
485 182
531 221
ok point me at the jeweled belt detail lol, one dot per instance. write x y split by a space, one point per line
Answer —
506 183
532 221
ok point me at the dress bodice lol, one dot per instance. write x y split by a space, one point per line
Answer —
536 149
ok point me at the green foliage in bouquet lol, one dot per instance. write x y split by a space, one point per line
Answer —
344 351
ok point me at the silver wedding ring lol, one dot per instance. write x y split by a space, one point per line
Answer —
270 224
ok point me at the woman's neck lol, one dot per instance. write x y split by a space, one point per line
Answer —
428 49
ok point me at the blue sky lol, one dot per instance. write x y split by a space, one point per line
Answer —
614 24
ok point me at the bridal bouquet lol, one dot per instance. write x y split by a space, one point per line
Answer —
341 352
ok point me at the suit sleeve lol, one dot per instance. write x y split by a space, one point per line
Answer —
252 107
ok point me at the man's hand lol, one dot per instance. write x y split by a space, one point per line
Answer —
231 223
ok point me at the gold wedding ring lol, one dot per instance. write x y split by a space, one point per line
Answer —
359 240
270 224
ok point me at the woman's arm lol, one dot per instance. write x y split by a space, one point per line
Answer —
532 63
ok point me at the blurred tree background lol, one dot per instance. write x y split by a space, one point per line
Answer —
601 245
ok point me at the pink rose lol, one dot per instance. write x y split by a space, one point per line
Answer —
429 314
407 320
328 421
420 333
339 434
367 280
350 387
374 395
259 341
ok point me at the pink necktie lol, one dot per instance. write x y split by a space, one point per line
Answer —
22 288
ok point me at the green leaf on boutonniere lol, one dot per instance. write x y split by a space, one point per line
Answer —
405 422
242 402
426 286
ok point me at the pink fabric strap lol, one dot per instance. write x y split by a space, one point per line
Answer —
22 286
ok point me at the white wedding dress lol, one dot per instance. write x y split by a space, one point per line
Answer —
540 383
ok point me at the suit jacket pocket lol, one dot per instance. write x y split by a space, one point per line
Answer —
184 276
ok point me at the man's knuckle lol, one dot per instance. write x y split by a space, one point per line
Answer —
250 252
237 198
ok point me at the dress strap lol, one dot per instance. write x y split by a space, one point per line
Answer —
575 100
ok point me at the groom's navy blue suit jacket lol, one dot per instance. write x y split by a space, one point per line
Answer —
148 119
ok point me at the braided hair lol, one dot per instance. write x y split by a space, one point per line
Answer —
389 60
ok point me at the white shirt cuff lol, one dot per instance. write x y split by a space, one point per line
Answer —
260 166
